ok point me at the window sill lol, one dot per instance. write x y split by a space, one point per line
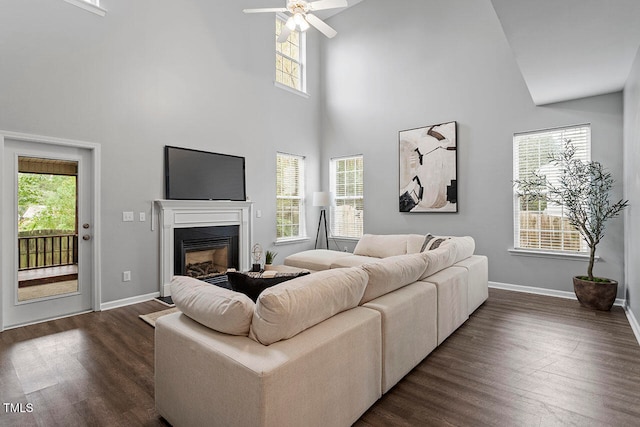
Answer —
551 254
90 7
290 241
290 89
347 239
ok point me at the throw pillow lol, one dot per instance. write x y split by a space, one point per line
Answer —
286 310
389 274
218 308
433 242
381 245
253 284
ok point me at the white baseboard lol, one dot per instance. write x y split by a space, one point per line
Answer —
633 322
543 291
128 301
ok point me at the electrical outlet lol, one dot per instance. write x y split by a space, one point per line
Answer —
258 213
127 216
126 276
345 249
143 217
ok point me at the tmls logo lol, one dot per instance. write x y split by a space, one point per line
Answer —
18 408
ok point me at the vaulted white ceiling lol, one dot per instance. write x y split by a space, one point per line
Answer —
569 49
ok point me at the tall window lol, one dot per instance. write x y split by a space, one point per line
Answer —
289 197
347 185
89 5
538 224
290 58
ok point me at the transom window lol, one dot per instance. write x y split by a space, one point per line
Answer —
347 185
89 5
541 225
290 59
289 197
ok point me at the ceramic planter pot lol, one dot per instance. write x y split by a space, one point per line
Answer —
596 295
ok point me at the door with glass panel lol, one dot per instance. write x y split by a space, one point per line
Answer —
48 190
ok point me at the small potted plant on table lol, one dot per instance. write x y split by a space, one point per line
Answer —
269 256
583 190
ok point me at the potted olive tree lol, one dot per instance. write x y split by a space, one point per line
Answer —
583 190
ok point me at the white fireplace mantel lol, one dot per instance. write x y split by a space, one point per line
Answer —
200 213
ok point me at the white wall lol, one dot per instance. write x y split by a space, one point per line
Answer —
632 185
393 68
192 73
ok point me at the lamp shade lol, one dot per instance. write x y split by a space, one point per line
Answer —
321 198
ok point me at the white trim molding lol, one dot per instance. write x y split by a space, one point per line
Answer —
577 256
129 301
635 327
543 291
95 149
201 213
88 6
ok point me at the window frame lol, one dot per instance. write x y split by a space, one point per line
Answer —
92 6
337 197
302 229
302 62
584 153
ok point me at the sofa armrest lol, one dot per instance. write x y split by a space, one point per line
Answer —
204 377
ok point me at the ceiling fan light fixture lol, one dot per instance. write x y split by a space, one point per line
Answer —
291 23
300 21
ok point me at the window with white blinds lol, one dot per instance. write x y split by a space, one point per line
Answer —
539 224
347 186
289 197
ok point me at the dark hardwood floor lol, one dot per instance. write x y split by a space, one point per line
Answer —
520 360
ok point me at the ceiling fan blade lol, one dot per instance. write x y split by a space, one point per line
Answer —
321 25
284 34
327 4
269 9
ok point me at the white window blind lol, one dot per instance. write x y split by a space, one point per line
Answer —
539 224
290 58
289 196
347 185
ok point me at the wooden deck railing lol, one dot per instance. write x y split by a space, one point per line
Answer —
47 251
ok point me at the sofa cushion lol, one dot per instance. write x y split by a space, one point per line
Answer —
217 308
381 246
353 261
285 310
314 259
252 284
415 243
465 246
439 259
389 274
449 252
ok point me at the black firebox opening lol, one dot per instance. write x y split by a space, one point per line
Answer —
206 252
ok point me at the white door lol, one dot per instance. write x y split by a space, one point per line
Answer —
51 275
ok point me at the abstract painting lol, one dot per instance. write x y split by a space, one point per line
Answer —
428 169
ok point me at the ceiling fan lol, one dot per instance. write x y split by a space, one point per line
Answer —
301 17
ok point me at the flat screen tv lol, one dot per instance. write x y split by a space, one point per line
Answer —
201 175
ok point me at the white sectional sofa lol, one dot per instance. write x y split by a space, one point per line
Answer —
320 349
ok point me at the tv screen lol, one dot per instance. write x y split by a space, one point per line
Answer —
200 175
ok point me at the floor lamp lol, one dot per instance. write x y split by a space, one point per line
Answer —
322 198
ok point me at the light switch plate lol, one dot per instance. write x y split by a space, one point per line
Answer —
127 216
143 217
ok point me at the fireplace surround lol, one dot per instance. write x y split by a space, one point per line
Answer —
216 215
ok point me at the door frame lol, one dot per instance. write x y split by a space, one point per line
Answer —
8 243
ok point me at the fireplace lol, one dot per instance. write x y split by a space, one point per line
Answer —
176 215
206 252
